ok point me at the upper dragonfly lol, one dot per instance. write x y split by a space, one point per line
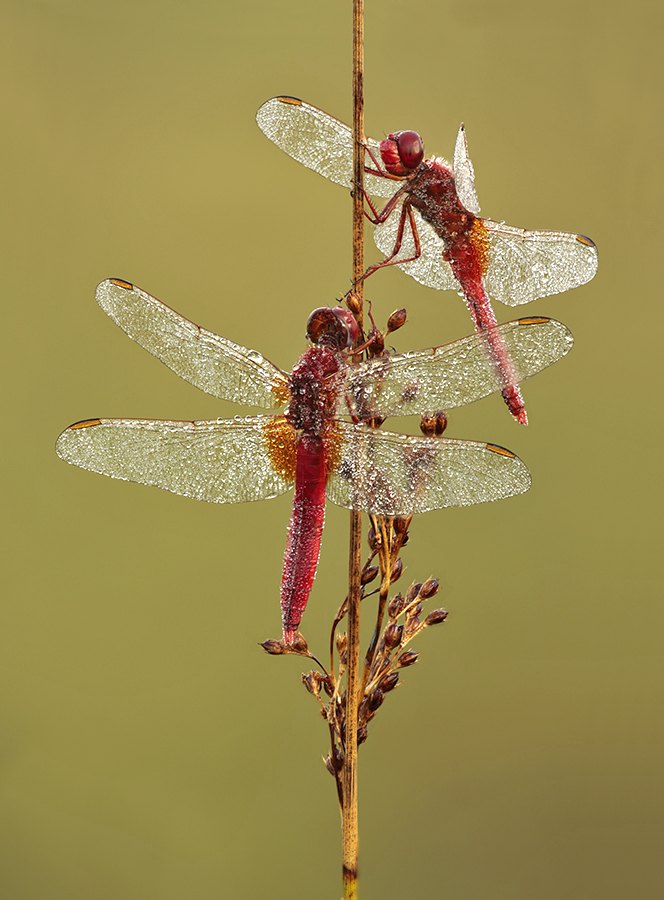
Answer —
310 446
446 244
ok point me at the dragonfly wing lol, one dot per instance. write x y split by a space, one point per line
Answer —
220 461
464 174
210 362
430 268
454 374
395 474
524 265
318 141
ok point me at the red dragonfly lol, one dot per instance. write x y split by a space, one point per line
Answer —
310 446
431 227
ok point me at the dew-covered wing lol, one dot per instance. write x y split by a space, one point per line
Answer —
395 474
524 265
453 374
210 362
220 461
430 268
318 141
464 175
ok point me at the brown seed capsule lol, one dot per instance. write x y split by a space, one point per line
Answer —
373 539
353 302
375 699
429 588
396 320
362 734
436 616
342 640
377 343
389 682
274 648
397 571
393 635
329 765
328 686
369 574
400 524
428 424
412 592
338 758
299 644
408 658
312 682
395 606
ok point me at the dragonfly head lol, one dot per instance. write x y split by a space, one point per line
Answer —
334 328
402 152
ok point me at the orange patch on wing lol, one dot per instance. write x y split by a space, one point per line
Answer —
501 450
118 282
292 100
281 390
480 241
85 423
582 239
534 320
281 446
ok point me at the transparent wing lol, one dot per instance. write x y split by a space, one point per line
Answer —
430 268
464 175
220 461
454 374
318 141
210 362
525 265
395 474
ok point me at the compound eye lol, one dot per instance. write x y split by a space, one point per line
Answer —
411 148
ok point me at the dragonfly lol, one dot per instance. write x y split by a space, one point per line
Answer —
309 446
430 227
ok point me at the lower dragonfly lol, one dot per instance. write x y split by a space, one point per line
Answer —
430 226
309 446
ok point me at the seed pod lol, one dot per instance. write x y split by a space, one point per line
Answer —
329 765
393 635
412 592
328 686
312 682
436 616
362 734
342 640
389 682
299 644
400 524
375 699
369 574
408 658
274 648
377 343
429 588
428 424
395 606
396 320
373 539
397 571
353 302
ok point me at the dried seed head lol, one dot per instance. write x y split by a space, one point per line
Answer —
408 658
338 758
397 571
428 424
395 606
389 682
362 734
312 681
353 302
429 588
436 616
299 644
400 524
375 699
393 635
412 592
328 686
396 320
369 574
373 539
377 344
274 648
342 640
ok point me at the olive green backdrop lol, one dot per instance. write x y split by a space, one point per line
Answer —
149 749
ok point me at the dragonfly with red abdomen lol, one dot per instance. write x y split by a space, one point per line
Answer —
310 446
430 226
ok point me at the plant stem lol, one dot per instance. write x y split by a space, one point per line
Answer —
349 831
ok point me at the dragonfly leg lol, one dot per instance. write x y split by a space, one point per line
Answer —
406 211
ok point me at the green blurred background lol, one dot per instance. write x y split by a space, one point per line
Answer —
149 748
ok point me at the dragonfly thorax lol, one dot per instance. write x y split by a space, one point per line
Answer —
314 397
